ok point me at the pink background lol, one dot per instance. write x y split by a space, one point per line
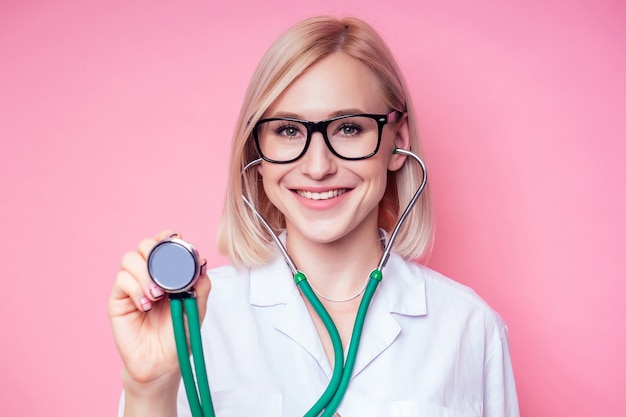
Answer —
115 122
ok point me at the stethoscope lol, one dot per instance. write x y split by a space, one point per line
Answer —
174 266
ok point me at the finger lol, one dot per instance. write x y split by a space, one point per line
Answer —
202 287
145 246
165 234
127 288
135 264
203 267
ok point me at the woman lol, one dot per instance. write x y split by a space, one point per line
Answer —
429 347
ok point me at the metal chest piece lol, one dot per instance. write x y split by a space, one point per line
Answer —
174 265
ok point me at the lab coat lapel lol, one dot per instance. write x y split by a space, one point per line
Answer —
272 286
379 332
296 323
401 292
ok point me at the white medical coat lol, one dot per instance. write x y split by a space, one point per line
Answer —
430 347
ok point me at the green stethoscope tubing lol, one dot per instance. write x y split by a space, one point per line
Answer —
193 319
337 387
332 396
331 389
340 390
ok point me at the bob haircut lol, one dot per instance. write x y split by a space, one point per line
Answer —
241 236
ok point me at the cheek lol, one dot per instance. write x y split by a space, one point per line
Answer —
378 177
271 176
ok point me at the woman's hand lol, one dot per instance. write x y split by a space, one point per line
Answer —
142 327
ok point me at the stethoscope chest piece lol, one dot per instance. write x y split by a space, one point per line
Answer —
174 265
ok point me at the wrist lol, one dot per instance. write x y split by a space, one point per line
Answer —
157 397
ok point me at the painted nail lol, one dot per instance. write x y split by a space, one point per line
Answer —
156 291
146 305
203 268
173 235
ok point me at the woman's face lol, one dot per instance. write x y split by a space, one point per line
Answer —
325 198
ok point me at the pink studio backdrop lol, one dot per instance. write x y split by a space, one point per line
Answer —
115 122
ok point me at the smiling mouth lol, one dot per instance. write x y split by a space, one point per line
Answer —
325 195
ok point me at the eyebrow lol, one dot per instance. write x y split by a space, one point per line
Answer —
337 113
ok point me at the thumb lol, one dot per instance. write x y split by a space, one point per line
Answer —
202 287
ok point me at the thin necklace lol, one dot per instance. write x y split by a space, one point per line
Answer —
343 300
383 238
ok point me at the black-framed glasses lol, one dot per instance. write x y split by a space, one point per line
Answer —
352 137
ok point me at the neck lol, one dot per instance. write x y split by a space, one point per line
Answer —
337 270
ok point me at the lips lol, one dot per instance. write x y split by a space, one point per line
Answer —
324 195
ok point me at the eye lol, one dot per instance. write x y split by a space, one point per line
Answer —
288 131
349 129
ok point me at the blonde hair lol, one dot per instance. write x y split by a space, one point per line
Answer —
241 236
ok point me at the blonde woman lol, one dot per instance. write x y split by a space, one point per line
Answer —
429 346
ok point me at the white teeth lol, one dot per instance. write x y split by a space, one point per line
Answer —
321 196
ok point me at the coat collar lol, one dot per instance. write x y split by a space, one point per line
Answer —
402 290
272 284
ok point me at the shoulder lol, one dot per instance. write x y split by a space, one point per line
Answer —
228 272
448 287
264 285
445 296
228 282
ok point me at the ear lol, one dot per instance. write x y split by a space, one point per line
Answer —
259 169
402 140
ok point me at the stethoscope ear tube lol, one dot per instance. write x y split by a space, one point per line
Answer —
407 210
174 266
334 393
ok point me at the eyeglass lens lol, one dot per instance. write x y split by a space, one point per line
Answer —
349 137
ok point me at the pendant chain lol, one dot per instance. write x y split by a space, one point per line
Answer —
383 237
343 300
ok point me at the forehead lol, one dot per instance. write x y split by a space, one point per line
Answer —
336 82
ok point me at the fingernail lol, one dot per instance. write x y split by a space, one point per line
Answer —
146 305
156 291
173 235
203 268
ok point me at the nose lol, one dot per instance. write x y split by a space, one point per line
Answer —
318 161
